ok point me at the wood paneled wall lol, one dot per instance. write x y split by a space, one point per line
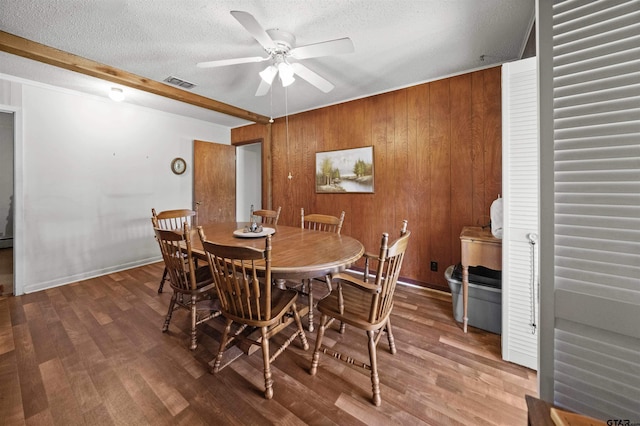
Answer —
437 163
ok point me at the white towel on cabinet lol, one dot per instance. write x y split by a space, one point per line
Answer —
496 217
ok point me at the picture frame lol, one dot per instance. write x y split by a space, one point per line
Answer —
345 171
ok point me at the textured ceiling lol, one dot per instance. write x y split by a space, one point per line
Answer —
397 43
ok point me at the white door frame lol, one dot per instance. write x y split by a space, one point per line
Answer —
248 179
18 197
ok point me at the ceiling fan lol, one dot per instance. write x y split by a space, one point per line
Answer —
280 47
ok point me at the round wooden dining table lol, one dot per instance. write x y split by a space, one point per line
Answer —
296 253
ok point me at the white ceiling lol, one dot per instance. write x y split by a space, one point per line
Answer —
398 43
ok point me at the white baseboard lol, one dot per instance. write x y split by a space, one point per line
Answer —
6 242
31 288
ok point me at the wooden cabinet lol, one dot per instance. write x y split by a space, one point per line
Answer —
478 248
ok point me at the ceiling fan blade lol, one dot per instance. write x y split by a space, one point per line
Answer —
324 48
255 29
313 78
263 88
225 62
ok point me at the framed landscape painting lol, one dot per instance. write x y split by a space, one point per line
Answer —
345 171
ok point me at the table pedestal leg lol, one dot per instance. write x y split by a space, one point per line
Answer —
465 295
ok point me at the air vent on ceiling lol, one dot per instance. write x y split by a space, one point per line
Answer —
179 82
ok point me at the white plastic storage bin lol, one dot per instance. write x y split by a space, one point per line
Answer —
484 303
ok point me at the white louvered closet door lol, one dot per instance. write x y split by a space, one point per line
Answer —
520 186
594 156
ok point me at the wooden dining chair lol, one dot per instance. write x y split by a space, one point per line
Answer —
269 217
321 222
318 222
364 305
248 298
368 258
191 285
172 219
371 257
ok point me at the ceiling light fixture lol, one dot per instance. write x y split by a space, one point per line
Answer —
286 74
281 67
268 74
116 94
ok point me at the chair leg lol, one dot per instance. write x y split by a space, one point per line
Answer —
223 345
327 280
343 326
316 352
310 318
194 318
303 337
268 381
373 362
172 305
392 342
164 277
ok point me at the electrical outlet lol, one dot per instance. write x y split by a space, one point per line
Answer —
434 266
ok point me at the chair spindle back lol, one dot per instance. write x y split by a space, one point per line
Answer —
269 217
173 245
173 219
387 273
321 222
235 274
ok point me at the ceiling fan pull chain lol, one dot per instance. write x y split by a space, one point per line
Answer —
270 106
286 122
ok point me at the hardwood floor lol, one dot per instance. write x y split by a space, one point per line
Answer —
92 353
6 271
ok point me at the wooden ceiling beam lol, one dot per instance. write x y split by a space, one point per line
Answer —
39 52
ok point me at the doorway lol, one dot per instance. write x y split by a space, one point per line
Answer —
6 201
248 180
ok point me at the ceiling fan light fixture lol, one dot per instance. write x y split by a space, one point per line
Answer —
287 80
268 74
286 74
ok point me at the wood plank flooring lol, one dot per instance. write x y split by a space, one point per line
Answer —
6 271
92 353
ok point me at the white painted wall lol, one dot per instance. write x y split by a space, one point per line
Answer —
91 170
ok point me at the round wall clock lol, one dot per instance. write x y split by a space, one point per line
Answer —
178 165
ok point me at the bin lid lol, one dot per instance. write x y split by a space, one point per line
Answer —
479 275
